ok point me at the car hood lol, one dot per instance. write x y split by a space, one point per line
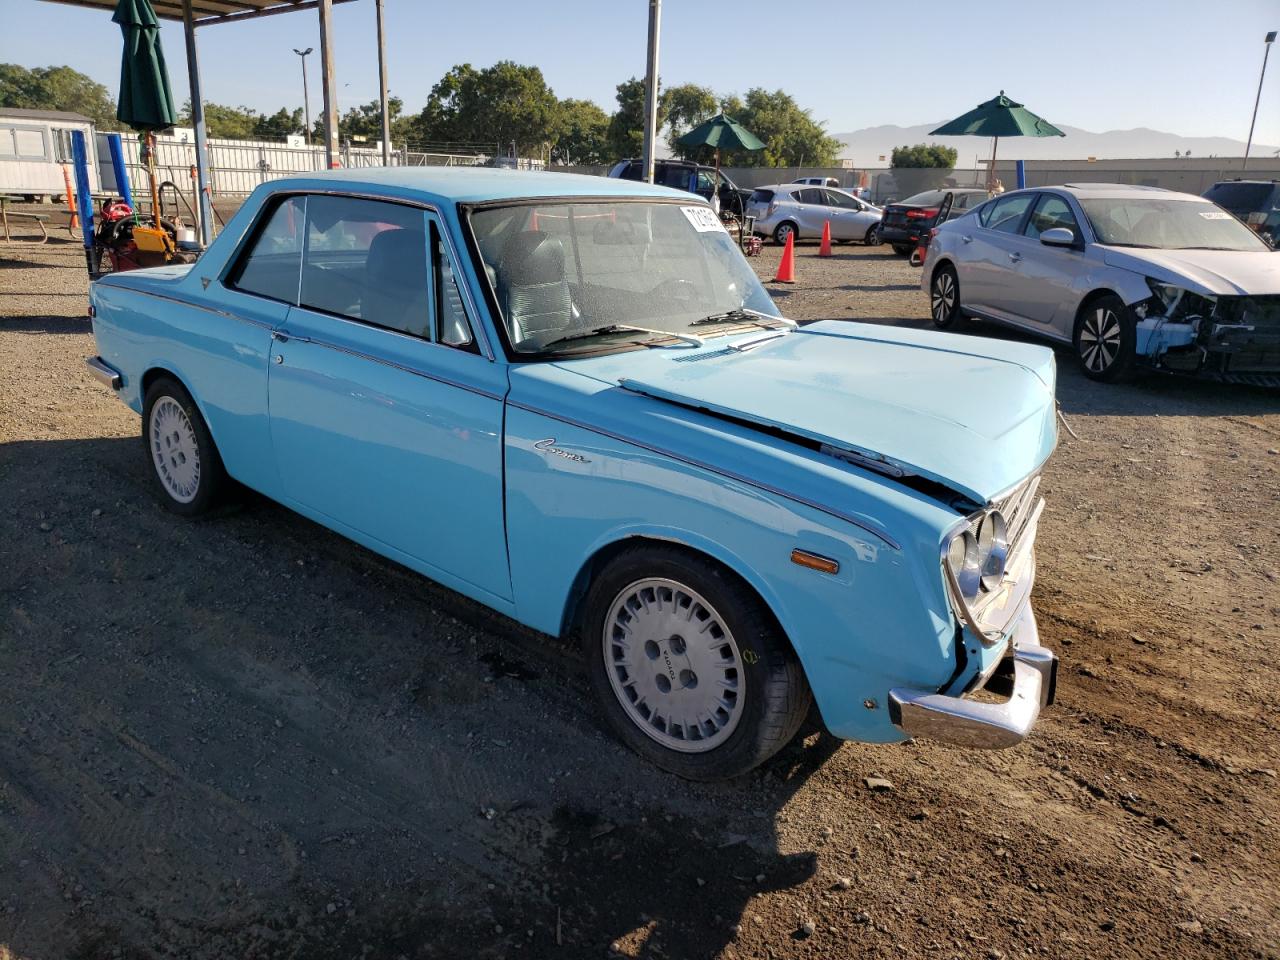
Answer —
972 414
1220 273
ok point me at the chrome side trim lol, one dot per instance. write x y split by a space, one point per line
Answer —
971 723
285 336
719 471
103 372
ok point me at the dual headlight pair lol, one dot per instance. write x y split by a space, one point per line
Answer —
979 553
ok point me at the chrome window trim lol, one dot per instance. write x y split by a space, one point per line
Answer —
473 314
718 471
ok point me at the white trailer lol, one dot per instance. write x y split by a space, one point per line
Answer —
34 146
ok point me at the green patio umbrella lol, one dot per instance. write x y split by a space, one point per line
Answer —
146 100
998 117
721 133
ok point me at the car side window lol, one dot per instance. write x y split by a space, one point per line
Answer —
809 195
367 260
840 200
452 328
270 265
1051 211
1006 213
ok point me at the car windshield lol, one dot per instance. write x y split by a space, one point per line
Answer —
1167 224
924 199
594 276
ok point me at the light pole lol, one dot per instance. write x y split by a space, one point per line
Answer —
1270 39
651 88
306 101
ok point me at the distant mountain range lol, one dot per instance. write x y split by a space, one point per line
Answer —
866 146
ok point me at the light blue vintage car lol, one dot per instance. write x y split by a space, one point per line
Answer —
571 399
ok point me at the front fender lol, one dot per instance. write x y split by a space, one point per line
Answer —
880 622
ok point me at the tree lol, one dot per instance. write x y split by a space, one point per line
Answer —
924 155
230 123
685 107
497 106
57 88
792 137
584 133
626 126
279 125
366 121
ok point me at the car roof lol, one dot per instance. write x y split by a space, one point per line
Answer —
1120 191
472 184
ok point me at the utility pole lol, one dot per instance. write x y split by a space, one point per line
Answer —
1266 47
331 156
382 86
306 100
651 88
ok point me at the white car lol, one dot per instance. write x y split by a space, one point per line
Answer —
1129 276
800 210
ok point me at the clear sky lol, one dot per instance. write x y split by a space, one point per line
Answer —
1184 66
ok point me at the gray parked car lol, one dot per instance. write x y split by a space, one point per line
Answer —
1128 275
793 208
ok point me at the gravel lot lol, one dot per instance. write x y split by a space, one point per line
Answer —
248 737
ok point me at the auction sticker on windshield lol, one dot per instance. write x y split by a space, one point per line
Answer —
703 219
1215 214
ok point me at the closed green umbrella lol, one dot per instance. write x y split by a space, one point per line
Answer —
998 117
721 133
146 100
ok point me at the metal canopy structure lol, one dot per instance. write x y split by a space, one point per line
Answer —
202 13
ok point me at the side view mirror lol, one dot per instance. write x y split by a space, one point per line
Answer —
1058 237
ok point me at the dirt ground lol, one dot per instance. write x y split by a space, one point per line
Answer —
247 737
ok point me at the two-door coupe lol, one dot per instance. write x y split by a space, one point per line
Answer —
571 399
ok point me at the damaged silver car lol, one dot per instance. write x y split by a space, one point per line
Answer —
1129 276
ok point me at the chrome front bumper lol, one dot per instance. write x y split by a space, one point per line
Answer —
1027 676
103 373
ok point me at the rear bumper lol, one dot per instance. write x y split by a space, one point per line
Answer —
103 372
1027 677
896 234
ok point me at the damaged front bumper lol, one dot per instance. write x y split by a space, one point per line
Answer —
1026 680
1230 339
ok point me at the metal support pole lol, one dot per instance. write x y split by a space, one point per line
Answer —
1270 39
651 88
306 97
326 82
382 86
197 121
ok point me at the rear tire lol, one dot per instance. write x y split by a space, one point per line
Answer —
184 463
689 666
944 297
1106 339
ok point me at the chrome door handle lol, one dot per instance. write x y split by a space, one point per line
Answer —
967 239
279 336
1015 257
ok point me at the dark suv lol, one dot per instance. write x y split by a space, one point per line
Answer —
690 176
1256 202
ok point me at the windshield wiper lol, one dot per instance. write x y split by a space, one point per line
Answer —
744 315
612 328
1117 243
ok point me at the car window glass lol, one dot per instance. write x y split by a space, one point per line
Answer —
1051 211
1006 213
452 328
835 199
366 260
270 266
810 195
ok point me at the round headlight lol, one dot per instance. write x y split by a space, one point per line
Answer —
993 549
962 557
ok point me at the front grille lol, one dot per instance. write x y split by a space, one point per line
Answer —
1017 506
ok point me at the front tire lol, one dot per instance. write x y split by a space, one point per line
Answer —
690 668
872 238
185 465
1106 339
784 230
944 298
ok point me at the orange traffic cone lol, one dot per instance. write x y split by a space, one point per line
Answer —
825 249
787 268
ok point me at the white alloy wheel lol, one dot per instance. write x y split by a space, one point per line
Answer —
174 449
1100 339
674 665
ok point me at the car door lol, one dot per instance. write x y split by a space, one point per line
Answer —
810 211
844 211
991 252
386 417
1048 273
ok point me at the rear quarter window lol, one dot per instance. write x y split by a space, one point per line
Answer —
270 266
761 196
